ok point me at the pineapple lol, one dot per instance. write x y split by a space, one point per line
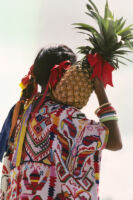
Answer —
111 42
75 86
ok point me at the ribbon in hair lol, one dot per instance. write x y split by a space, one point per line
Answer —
55 75
57 72
101 69
25 81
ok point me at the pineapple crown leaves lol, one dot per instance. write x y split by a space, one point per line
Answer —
112 40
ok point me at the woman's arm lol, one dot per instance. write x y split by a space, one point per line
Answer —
114 141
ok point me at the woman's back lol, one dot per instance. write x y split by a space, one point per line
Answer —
61 156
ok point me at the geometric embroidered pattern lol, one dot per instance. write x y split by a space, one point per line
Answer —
61 156
37 140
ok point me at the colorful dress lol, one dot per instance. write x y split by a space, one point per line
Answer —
61 156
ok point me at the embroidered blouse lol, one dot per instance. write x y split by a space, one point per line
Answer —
60 158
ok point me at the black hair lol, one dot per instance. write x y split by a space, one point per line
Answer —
44 62
47 58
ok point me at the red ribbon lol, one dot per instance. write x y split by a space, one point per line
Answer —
101 69
56 73
26 79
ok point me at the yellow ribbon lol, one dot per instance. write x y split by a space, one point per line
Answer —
21 134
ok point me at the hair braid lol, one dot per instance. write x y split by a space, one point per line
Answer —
39 73
27 93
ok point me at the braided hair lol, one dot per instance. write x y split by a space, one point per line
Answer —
44 62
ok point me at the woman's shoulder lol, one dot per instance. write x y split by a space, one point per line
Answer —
65 110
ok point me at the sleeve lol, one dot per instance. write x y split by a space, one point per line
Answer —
5 133
5 177
95 135
85 133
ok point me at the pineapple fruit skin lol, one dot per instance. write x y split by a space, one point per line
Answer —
75 86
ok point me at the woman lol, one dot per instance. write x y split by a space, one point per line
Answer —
54 151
